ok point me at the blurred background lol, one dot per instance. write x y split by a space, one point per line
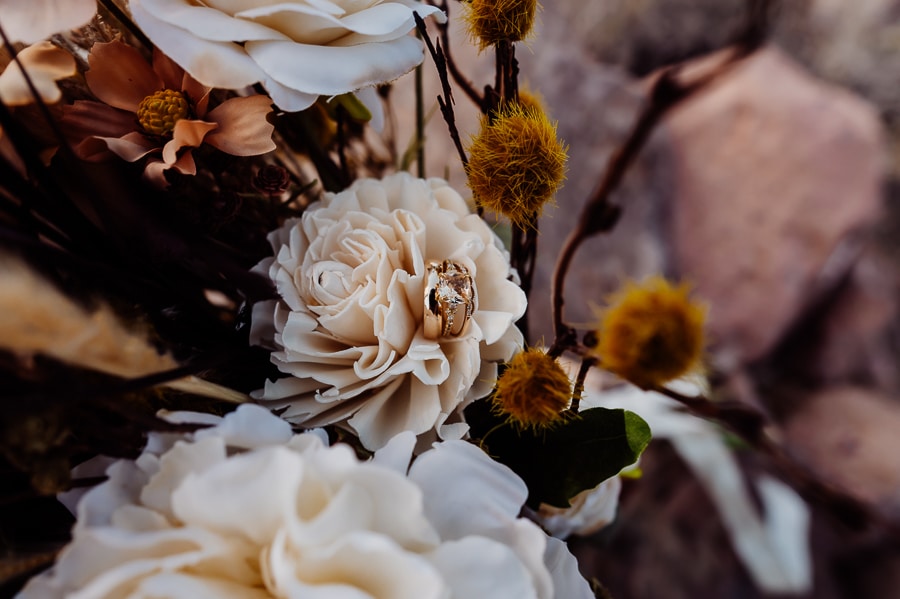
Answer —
773 192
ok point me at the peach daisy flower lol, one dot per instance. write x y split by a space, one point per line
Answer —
159 113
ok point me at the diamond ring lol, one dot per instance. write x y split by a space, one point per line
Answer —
450 299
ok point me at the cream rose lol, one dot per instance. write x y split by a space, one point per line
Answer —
247 510
297 50
348 328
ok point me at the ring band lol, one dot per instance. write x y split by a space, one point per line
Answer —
450 299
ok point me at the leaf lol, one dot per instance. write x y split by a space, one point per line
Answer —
560 462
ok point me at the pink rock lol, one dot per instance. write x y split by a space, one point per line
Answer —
773 169
848 437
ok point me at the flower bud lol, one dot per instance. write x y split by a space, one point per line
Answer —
492 21
516 162
272 179
651 333
533 390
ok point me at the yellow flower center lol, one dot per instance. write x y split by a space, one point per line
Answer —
158 112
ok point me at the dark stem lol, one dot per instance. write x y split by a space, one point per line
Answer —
457 75
445 102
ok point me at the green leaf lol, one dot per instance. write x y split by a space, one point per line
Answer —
560 462
354 107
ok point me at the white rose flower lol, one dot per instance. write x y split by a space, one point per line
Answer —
247 510
349 325
297 50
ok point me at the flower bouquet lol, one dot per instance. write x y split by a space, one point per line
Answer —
256 351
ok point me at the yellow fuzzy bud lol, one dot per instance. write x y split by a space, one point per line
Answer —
651 333
158 112
492 21
516 162
533 390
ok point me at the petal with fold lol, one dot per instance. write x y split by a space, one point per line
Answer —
243 128
44 63
336 70
205 23
35 20
187 133
479 567
215 64
457 473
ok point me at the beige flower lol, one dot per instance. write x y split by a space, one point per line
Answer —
349 325
298 50
245 509
159 113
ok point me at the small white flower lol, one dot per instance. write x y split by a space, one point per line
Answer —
298 50
244 509
351 276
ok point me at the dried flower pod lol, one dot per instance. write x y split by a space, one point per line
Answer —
516 162
272 179
533 391
651 333
493 21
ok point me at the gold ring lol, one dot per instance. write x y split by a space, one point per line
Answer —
450 299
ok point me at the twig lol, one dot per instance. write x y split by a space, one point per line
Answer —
599 214
457 75
446 101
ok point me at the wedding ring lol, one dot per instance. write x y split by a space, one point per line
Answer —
450 299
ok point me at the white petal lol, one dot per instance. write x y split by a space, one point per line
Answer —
336 70
567 580
205 23
34 20
248 427
172 584
214 64
466 492
397 454
479 567
252 494
371 100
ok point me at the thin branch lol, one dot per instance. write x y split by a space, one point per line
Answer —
457 75
599 214
445 102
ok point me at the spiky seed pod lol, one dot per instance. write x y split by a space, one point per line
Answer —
651 333
158 112
492 21
533 391
516 162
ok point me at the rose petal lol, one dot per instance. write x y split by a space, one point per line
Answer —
276 469
34 20
214 64
204 23
242 126
119 75
336 70
563 567
249 426
479 567
308 25
457 473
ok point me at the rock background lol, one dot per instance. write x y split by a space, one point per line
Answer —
774 192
